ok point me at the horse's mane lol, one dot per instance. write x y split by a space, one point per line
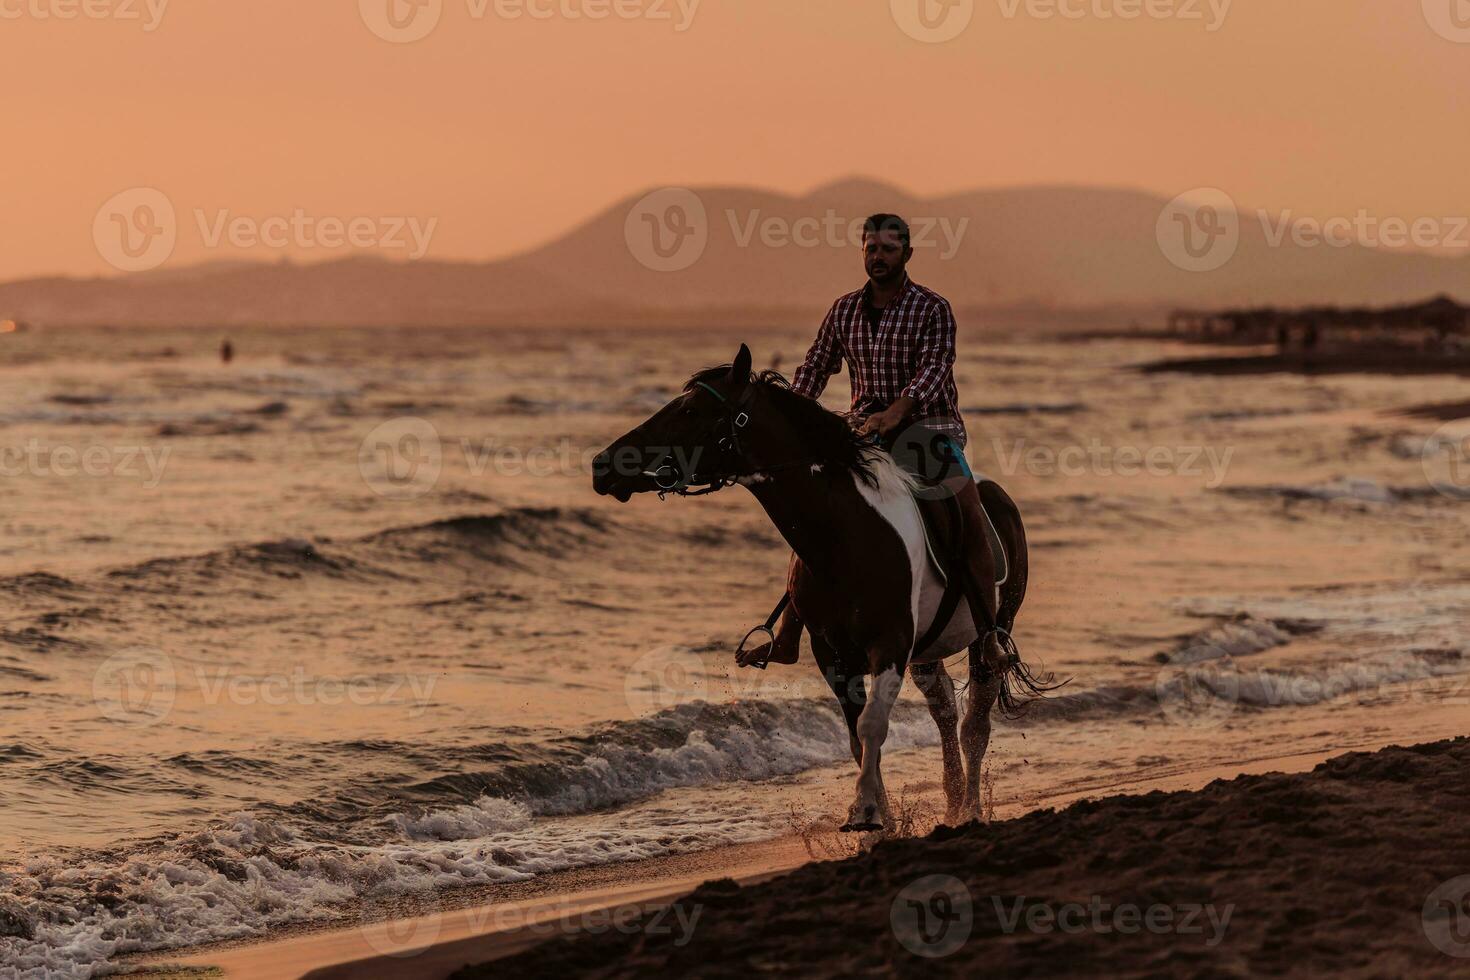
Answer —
827 437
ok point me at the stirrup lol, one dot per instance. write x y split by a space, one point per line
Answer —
757 664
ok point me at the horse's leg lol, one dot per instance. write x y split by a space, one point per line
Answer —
938 689
975 731
847 686
870 808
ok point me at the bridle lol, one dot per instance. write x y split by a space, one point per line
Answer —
726 430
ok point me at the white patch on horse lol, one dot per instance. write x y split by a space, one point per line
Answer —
871 804
753 479
894 500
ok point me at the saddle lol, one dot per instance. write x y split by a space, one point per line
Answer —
923 455
934 471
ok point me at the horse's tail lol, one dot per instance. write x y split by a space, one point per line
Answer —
1019 684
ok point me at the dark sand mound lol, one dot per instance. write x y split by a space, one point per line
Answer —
1329 872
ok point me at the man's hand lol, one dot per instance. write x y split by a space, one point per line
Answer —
887 421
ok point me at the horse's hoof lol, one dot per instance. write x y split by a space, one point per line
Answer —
859 828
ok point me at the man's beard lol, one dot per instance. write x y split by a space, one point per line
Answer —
888 274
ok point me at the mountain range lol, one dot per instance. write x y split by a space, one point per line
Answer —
766 255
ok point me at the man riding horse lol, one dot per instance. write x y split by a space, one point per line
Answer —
877 585
897 339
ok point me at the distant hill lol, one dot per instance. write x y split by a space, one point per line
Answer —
1035 247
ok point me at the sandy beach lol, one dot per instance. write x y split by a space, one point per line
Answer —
1352 868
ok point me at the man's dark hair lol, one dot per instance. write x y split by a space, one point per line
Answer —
887 222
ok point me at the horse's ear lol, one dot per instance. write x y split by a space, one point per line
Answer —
740 370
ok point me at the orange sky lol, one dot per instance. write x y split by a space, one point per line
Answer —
508 131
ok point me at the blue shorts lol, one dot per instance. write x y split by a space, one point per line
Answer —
947 448
934 457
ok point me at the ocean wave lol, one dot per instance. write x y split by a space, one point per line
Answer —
695 744
545 532
73 915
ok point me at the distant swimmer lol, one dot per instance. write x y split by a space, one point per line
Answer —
226 352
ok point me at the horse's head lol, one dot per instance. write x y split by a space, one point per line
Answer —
693 439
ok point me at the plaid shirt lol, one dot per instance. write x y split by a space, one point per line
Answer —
911 353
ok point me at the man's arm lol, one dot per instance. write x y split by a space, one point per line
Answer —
936 356
822 361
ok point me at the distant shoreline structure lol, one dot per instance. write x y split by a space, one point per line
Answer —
1440 324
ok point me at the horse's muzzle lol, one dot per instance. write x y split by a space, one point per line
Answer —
608 483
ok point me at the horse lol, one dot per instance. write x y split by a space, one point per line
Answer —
864 584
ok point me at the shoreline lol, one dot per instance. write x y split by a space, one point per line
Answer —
426 936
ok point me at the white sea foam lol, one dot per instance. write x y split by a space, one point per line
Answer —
242 878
